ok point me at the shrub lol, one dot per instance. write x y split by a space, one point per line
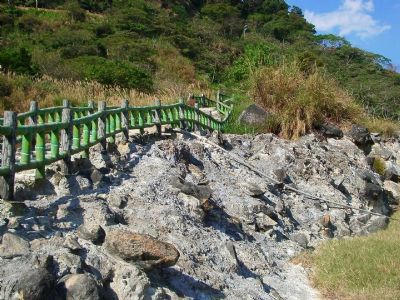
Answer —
386 127
302 101
76 13
6 19
28 23
379 165
103 30
19 61
5 87
109 72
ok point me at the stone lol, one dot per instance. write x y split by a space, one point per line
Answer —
392 172
13 245
68 263
264 223
393 190
300 238
252 189
91 232
20 280
326 221
360 135
72 244
117 201
141 249
201 192
330 130
377 223
96 176
253 115
79 286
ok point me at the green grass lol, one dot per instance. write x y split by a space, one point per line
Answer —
360 268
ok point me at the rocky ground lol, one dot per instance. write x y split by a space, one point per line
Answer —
174 218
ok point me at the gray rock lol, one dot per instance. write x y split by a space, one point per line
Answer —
72 243
96 176
199 191
360 135
13 245
252 189
330 130
392 172
253 115
393 190
377 223
264 223
21 280
300 238
91 232
79 286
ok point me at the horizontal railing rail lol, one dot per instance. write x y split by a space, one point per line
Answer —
39 137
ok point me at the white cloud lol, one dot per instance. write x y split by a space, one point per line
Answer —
352 17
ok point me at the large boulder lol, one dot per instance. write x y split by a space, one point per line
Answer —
253 115
142 249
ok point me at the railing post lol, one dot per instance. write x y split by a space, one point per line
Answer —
102 126
197 124
66 136
209 121
157 116
40 150
125 120
8 156
87 129
182 122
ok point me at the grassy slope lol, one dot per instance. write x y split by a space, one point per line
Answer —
363 268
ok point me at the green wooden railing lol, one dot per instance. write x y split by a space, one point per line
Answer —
39 137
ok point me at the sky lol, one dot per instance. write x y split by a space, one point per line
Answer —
373 25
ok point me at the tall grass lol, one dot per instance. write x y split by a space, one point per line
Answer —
301 100
50 92
364 268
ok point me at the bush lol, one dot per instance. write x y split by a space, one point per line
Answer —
6 19
28 23
5 87
103 30
302 101
76 13
19 61
108 72
379 165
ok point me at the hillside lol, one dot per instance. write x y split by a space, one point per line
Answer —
178 46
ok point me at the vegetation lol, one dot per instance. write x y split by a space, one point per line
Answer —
160 45
361 268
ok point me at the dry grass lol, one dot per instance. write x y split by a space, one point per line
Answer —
364 268
386 127
50 92
300 101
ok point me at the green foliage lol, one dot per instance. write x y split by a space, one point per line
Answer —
109 72
379 165
222 42
17 60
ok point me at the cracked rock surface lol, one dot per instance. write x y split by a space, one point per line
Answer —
174 218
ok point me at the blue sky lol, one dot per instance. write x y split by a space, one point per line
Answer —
373 25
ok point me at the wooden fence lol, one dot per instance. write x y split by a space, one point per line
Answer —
40 137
